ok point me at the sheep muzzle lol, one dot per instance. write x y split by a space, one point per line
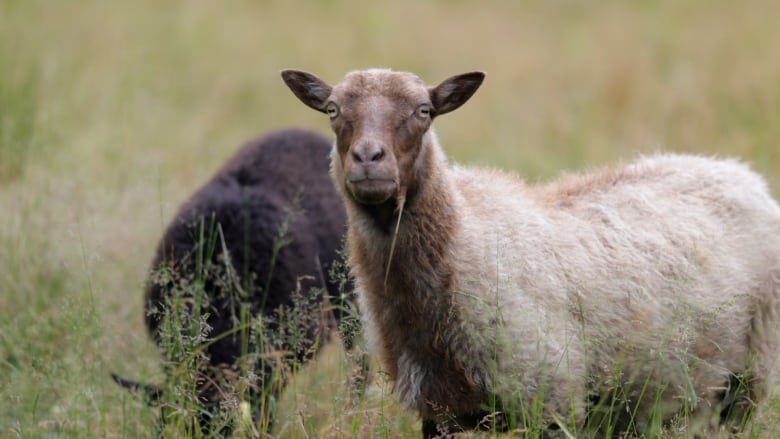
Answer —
372 191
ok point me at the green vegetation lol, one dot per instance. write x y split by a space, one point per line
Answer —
112 113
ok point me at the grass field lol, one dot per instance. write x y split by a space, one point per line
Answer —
112 113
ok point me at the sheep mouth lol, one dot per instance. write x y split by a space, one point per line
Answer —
372 190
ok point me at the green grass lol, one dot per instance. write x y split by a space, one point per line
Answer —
112 113
18 91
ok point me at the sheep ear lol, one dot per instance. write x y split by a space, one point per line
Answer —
310 89
455 91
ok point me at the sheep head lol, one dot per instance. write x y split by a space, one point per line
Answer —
382 120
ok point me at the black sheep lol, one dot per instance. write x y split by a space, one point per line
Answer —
236 294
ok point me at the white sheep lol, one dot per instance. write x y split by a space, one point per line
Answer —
617 301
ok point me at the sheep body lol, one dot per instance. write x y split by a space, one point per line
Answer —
656 283
649 267
273 196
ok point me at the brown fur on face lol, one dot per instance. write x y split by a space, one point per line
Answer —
382 121
377 115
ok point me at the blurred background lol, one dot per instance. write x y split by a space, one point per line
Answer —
113 113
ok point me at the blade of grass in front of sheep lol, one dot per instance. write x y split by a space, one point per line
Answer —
202 260
559 421
282 240
401 203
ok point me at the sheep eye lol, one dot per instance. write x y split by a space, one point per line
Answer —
332 110
424 111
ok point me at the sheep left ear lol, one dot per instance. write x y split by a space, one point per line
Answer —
455 91
310 89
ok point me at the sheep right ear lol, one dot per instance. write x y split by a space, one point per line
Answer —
310 89
455 91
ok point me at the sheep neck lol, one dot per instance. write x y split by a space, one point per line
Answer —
421 265
417 297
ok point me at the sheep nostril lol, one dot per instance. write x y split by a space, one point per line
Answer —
357 157
378 155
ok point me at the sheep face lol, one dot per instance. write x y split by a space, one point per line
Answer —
381 119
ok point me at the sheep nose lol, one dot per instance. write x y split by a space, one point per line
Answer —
368 153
